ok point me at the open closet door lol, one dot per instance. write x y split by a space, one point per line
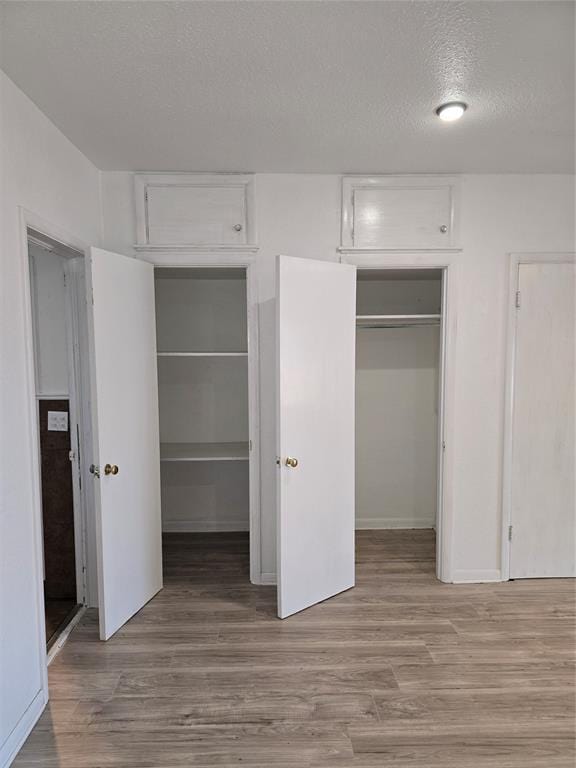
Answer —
126 438
316 330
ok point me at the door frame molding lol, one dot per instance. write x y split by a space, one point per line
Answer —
448 262
191 257
515 261
30 220
86 573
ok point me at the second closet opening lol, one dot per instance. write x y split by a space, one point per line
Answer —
398 353
202 346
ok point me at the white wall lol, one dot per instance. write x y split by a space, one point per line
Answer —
44 173
205 496
300 215
49 313
396 427
501 214
200 314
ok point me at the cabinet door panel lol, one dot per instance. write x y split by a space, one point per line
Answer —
402 217
199 215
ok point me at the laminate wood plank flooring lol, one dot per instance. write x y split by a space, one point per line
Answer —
57 613
400 672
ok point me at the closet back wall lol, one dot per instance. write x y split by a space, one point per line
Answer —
299 215
396 427
397 399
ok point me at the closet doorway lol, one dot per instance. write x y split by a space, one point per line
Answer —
399 343
202 334
57 303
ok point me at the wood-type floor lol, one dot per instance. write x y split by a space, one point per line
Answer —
401 671
56 613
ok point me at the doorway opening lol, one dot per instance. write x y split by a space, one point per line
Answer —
204 403
58 334
399 413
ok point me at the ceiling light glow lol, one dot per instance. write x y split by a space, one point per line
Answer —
451 111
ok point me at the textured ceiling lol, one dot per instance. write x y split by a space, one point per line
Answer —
301 86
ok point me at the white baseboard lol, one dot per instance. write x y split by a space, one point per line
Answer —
200 526
476 576
460 577
16 739
378 523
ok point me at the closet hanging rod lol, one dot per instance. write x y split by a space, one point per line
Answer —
396 321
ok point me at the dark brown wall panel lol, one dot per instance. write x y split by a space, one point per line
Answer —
57 506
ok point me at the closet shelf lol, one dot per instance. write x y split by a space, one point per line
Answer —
204 451
202 354
395 321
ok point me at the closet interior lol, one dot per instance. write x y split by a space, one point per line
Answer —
201 323
398 342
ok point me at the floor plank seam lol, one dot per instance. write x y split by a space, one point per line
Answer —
401 672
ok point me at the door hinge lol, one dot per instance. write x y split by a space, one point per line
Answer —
249 445
71 455
443 446
518 299
509 533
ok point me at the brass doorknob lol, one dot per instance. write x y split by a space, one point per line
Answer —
110 469
290 462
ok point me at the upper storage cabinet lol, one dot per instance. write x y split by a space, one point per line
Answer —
400 212
189 209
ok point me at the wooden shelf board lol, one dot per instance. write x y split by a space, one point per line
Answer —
202 354
375 321
203 451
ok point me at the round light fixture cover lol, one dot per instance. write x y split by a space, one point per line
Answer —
452 110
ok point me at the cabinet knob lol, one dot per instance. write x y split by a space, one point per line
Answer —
443 229
110 469
238 227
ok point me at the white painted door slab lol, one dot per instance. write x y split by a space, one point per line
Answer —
316 330
126 435
543 513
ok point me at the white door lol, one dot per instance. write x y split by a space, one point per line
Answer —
543 524
126 436
316 331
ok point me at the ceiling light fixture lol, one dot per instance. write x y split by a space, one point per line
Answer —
451 111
